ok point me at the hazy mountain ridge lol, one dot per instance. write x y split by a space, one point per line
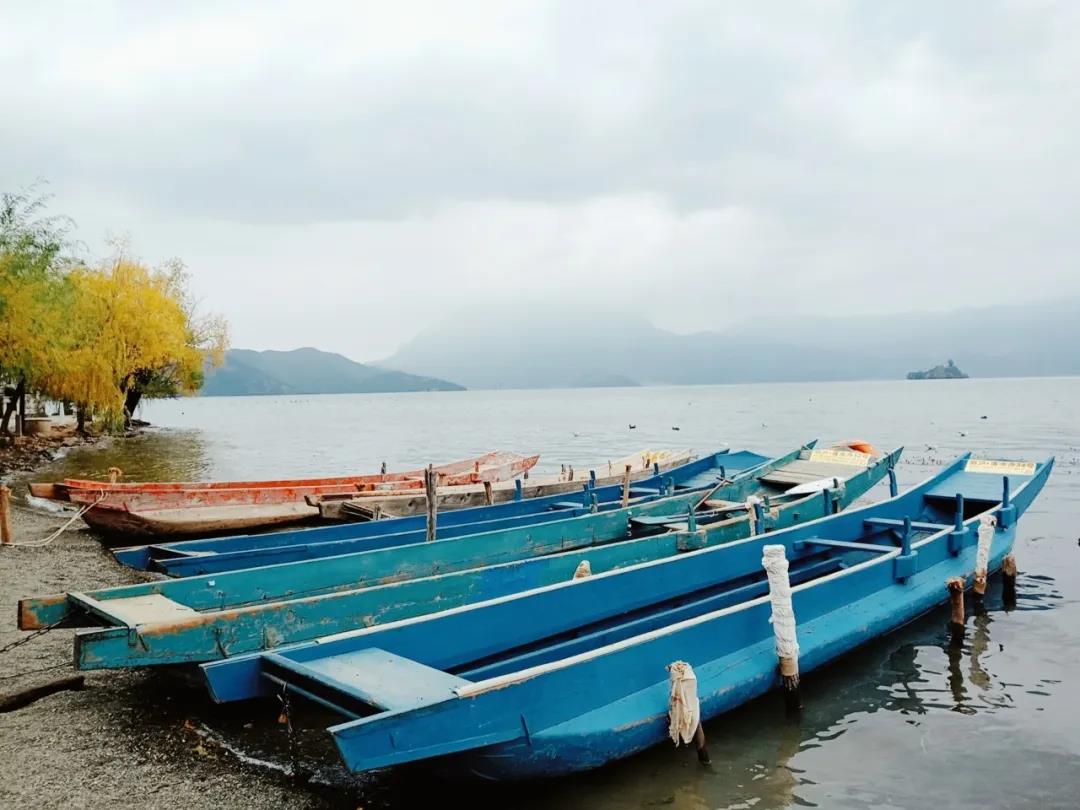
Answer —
309 371
1016 340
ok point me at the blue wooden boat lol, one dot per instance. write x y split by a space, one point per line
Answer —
568 677
208 617
191 557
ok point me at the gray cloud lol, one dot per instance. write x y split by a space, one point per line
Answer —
345 174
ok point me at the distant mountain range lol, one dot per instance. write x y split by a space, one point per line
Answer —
541 348
309 371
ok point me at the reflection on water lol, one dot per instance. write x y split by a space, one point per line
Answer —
910 720
154 455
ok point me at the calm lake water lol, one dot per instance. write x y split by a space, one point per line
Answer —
908 721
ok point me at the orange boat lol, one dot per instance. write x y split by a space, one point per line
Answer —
196 507
61 490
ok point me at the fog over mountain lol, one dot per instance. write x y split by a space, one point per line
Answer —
542 347
308 371
349 176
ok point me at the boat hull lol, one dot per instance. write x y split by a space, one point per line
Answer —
187 513
637 722
545 692
201 521
367 505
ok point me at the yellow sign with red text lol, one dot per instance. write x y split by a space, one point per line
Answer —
999 467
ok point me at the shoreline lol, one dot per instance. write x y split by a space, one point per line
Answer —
151 736
22 455
128 735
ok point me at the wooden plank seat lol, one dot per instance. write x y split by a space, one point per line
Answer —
890 523
846 545
369 677
136 610
803 472
720 505
657 520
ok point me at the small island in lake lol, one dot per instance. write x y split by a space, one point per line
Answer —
947 372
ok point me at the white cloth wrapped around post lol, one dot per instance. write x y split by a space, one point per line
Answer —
684 708
583 570
986 537
982 554
782 619
783 613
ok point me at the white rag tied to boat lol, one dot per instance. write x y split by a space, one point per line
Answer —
684 709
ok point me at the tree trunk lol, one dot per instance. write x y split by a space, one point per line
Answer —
131 402
80 419
20 392
133 389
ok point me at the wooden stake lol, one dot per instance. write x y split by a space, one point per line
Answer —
5 515
699 742
489 497
1008 581
789 677
430 489
9 703
956 602
626 487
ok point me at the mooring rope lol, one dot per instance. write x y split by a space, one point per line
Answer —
62 529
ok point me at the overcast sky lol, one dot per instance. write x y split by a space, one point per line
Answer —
344 175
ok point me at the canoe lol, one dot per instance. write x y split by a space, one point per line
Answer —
214 555
208 511
373 505
61 490
571 676
204 618
492 467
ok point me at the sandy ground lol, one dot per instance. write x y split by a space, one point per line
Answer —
137 738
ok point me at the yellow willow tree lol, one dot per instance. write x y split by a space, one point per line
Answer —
131 331
33 292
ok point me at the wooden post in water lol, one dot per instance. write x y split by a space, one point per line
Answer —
626 487
5 515
489 496
431 490
774 560
382 469
956 602
1008 581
